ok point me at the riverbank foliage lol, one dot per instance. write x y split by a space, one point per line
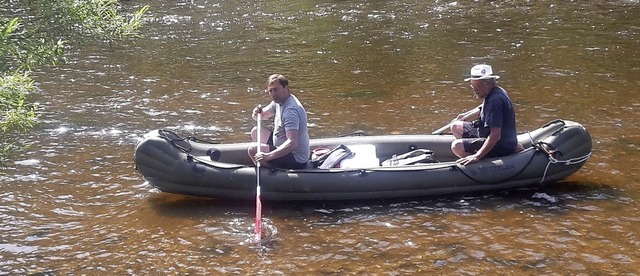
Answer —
35 33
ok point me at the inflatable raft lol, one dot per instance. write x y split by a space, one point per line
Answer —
377 166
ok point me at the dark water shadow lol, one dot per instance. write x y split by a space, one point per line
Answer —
173 205
232 221
549 198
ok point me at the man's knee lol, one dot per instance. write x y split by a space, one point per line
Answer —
457 129
252 150
457 144
254 133
457 147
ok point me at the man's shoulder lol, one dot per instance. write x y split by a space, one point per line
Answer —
498 93
293 104
292 109
295 101
499 89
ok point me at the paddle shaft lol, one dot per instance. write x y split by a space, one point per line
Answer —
258 228
464 117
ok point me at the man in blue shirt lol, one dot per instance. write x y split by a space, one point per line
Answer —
493 134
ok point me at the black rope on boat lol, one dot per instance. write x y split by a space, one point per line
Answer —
507 180
555 121
548 149
539 147
198 140
213 153
164 135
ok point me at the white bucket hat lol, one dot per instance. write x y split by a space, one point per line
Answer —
481 72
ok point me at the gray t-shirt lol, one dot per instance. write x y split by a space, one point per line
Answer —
291 116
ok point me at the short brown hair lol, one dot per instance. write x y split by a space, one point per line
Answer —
280 78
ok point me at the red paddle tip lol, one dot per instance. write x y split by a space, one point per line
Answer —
258 229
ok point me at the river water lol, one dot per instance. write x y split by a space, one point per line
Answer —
73 204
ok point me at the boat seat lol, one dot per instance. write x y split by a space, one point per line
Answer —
364 156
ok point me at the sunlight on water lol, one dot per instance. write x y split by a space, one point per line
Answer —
28 162
74 204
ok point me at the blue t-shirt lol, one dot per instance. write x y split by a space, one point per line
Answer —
497 111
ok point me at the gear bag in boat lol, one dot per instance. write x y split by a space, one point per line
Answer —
330 159
412 157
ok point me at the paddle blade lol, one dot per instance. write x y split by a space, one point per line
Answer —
258 228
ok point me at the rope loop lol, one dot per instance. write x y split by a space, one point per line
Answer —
552 152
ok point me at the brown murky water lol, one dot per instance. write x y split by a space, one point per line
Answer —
72 203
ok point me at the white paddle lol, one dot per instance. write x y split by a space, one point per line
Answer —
464 117
258 202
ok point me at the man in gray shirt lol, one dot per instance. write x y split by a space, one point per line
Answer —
288 145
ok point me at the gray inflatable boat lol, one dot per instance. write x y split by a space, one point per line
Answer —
378 166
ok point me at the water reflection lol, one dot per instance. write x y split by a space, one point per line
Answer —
73 204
